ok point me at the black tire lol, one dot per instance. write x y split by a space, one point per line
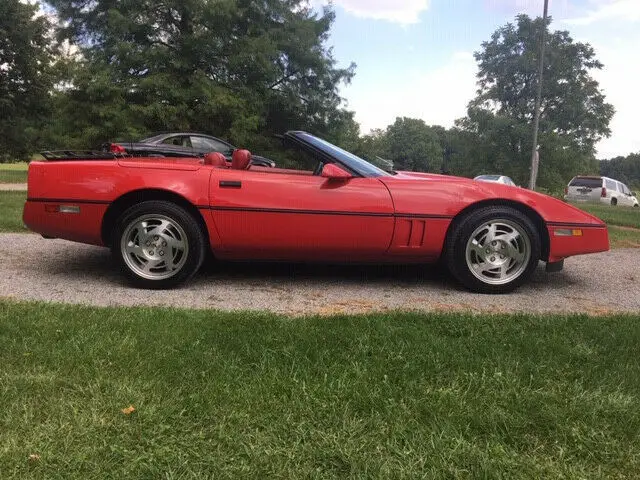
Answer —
614 202
460 237
131 251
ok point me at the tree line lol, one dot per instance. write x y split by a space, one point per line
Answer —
89 72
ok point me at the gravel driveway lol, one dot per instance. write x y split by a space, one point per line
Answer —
13 187
55 270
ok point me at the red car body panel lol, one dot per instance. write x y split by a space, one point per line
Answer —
288 215
94 185
298 216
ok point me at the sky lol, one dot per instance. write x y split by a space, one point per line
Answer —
415 57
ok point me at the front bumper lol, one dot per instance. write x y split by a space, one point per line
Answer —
566 240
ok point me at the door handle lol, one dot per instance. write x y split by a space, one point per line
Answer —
230 184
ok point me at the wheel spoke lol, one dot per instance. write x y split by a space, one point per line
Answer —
478 249
485 267
510 237
514 253
159 230
504 268
151 264
491 234
173 242
133 249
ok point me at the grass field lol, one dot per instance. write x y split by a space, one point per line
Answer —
11 205
13 172
623 216
247 395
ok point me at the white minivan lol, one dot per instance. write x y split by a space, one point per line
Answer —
599 189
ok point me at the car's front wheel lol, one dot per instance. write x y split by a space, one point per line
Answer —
493 250
158 244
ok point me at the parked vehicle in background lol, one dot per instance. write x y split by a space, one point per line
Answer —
497 179
597 189
181 144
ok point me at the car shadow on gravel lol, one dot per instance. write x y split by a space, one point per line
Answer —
309 273
91 263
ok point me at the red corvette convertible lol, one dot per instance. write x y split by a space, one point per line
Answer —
159 216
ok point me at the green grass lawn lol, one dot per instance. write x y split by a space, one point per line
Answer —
11 205
624 237
248 395
622 216
13 172
623 222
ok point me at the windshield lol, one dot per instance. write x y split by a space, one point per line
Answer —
352 161
493 178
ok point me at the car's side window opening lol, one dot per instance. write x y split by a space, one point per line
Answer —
208 144
179 141
292 160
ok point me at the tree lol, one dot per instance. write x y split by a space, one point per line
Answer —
574 114
625 169
26 76
236 68
413 145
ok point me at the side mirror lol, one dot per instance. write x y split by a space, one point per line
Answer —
331 170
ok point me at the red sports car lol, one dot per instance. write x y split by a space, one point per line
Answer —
159 216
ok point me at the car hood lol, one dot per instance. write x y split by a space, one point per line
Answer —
444 195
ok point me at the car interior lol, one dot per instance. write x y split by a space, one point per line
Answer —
296 160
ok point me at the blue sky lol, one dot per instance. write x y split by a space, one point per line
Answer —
415 57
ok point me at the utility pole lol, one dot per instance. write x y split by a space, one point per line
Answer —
536 115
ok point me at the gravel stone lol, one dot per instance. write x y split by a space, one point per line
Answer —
59 271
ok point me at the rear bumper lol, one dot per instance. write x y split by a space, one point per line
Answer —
566 240
84 226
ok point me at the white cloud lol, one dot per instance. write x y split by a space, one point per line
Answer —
608 10
619 80
438 97
557 8
398 11
611 27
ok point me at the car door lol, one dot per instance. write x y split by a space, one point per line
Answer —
287 214
626 195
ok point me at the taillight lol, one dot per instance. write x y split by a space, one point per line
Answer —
566 190
115 148
604 192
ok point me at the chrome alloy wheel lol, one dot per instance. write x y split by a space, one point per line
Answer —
154 247
498 252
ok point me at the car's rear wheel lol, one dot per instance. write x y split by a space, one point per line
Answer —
493 250
158 244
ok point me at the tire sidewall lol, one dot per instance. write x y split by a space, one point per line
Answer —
462 231
195 238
